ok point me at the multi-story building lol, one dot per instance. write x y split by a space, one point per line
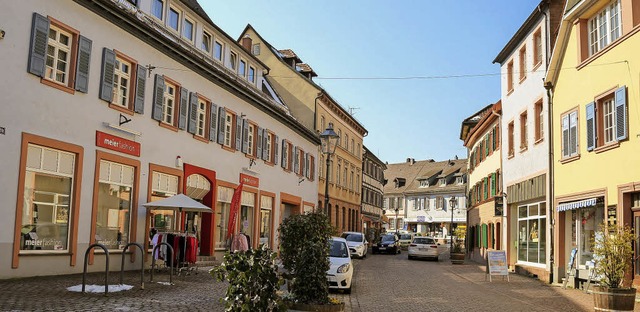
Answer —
525 124
316 109
593 81
373 182
426 196
485 218
129 102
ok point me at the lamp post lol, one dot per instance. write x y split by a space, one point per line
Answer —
396 221
452 205
329 140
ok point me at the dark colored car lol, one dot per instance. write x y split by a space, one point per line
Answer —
387 243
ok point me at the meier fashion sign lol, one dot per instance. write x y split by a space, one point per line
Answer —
117 144
249 180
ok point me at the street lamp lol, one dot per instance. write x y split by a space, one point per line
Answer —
329 140
396 221
452 205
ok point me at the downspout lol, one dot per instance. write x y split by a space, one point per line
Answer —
504 244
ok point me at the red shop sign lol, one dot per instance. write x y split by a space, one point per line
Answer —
249 180
117 144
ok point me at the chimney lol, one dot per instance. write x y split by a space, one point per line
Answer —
246 43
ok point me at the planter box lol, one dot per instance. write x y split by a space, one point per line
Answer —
457 258
316 307
613 299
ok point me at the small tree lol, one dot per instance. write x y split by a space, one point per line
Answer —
613 254
253 281
304 250
458 243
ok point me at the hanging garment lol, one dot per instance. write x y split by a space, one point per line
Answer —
239 243
192 246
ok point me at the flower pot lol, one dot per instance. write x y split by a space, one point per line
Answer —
613 299
316 307
457 258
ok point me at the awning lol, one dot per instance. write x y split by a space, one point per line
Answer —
577 204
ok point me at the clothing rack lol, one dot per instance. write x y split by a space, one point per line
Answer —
185 247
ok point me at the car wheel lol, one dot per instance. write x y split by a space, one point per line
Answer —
410 257
347 290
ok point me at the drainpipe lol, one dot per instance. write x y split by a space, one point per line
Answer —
549 87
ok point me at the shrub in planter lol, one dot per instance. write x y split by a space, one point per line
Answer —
253 281
304 251
613 254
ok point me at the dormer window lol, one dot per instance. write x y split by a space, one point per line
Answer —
443 181
399 182
460 180
424 183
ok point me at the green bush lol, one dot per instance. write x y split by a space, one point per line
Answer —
253 281
304 250
613 253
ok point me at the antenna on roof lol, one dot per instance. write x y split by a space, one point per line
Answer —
351 109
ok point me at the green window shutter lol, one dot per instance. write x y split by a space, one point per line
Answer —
493 184
484 236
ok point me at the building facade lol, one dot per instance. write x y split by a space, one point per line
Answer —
595 121
426 197
525 128
485 217
373 182
315 108
130 102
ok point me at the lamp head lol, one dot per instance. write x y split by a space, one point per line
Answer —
329 139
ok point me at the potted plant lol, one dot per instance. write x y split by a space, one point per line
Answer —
613 254
253 280
304 251
457 253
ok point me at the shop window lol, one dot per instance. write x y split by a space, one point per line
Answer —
266 216
223 207
585 222
532 221
163 186
113 213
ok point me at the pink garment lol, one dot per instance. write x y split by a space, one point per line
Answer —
239 243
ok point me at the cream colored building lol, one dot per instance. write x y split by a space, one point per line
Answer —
315 108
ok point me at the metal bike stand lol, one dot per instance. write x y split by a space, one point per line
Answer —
153 261
141 265
106 269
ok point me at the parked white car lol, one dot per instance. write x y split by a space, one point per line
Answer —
425 247
341 269
357 243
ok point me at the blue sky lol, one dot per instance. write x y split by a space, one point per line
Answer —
360 41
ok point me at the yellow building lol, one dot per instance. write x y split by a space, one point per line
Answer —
485 218
593 79
311 105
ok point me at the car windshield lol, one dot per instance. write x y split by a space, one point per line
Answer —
423 240
338 250
352 237
387 238
405 236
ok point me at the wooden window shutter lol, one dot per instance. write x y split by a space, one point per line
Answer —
493 139
259 143
213 129
238 132
141 83
296 160
106 81
591 126
275 150
497 136
312 167
39 43
184 108
245 135
82 64
621 113
193 113
158 98
222 124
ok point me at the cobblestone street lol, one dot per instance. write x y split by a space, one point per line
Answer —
382 283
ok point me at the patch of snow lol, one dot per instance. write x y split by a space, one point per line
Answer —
99 288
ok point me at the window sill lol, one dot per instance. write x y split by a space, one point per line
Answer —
57 86
166 126
535 67
37 252
607 147
522 79
228 149
121 109
570 159
510 91
511 155
538 141
201 139
523 149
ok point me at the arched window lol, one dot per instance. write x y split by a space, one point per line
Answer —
346 142
322 124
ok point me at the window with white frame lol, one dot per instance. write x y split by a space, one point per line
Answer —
532 221
169 105
115 197
58 55
228 129
206 42
252 74
242 69
250 139
233 60
121 82
267 146
443 181
173 19
439 203
217 50
201 116
424 183
187 29
157 9
570 134
338 172
604 27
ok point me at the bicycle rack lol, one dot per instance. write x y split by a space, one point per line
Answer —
106 270
153 262
141 265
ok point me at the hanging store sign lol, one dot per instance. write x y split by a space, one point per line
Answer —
249 180
117 144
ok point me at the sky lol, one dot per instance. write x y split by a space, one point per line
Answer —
410 71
